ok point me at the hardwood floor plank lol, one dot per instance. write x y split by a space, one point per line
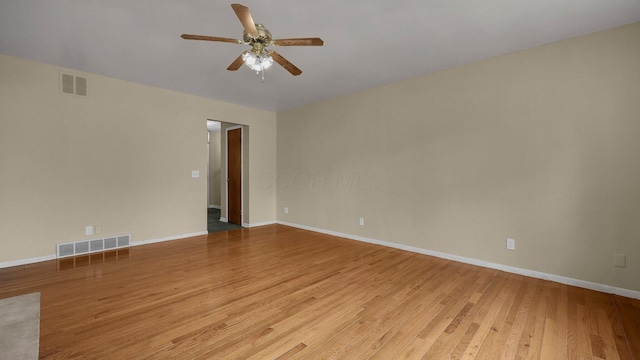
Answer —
404 333
458 335
537 326
517 320
532 319
464 342
554 339
311 316
279 292
434 336
494 314
294 350
397 315
625 337
468 326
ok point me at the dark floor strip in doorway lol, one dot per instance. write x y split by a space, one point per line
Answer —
214 224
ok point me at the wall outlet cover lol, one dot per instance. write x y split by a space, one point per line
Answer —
620 260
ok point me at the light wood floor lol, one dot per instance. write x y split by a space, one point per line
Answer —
279 292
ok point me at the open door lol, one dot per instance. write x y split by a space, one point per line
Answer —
234 175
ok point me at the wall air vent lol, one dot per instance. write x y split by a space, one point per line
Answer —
73 84
91 246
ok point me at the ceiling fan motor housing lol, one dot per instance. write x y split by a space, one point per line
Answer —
263 37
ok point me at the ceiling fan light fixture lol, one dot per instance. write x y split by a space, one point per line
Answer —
257 62
258 37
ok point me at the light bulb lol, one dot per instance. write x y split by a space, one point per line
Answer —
266 61
257 62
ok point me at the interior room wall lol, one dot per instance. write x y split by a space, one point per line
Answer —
540 146
122 158
215 168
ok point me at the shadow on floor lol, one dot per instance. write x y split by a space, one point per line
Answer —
214 224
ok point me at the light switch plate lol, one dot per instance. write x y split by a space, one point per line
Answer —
195 174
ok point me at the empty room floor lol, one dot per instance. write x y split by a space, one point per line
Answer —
280 292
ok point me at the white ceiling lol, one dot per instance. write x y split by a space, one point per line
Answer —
367 43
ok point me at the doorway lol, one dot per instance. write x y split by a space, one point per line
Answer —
217 175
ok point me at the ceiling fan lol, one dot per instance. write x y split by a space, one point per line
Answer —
259 38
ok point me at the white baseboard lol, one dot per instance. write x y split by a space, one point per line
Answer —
223 219
251 225
510 269
168 238
20 262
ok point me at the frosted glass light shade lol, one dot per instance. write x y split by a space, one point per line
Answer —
257 62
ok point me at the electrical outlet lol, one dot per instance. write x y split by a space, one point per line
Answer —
98 229
286 210
511 244
361 221
88 230
620 260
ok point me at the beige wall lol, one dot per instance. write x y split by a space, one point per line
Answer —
121 157
540 145
215 168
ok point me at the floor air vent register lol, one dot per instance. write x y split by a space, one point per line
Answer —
91 246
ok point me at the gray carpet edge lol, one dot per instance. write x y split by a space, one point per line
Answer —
20 327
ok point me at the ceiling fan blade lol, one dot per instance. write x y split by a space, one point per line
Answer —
245 18
298 42
211 38
235 65
285 63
